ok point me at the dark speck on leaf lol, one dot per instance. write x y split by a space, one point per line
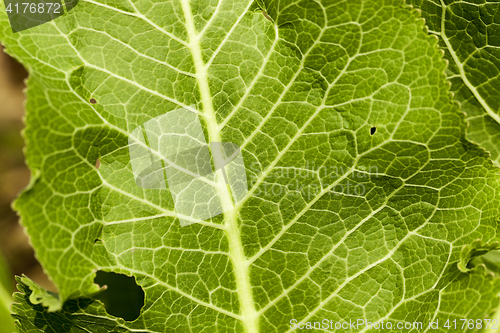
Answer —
93 101
267 16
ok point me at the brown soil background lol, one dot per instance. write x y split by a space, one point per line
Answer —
14 175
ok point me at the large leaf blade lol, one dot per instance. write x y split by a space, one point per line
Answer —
297 93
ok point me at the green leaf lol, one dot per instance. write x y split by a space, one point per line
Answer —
81 315
490 260
362 188
39 295
468 33
478 253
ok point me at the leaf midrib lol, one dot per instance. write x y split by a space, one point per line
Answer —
250 318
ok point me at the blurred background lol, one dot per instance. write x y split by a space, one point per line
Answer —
16 254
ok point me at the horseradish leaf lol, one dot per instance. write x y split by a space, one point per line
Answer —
361 188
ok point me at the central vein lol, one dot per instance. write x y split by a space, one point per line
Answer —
249 315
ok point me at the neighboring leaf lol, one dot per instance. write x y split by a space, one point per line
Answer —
340 221
82 315
477 253
6 321
490 260
468 33
39 295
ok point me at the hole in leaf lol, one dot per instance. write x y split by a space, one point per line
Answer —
96 240
373 130
93 101
123 298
